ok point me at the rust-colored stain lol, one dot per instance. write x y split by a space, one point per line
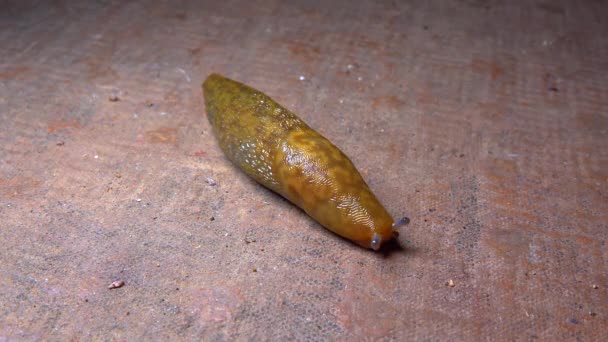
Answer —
388 102
508 244
354 310
394 151
304 51
593 121
13 72
425 98
62 124
491 111
200 153
98 69
487 67
552 8
163 135
502 169
195 51
364 42
214 304
18 185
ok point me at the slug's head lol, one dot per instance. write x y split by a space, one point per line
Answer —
383 235
363 220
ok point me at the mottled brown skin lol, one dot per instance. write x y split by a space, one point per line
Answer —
277 149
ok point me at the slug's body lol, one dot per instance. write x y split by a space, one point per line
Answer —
277 149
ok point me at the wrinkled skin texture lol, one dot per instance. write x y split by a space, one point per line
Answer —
277 149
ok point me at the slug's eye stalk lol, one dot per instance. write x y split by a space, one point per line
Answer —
401 222
376 242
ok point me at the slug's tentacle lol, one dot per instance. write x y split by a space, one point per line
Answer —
280 151
376 242
401 222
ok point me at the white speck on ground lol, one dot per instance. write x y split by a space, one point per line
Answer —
184 73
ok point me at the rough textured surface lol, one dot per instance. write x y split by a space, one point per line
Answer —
485 121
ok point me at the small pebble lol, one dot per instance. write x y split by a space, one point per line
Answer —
451 283
211 182
302 78
60 143
595 286
113 98
116 284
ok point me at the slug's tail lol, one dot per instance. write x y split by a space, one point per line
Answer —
212 88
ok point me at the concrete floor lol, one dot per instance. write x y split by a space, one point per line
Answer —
486 122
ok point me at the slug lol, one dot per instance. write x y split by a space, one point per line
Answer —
280 151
